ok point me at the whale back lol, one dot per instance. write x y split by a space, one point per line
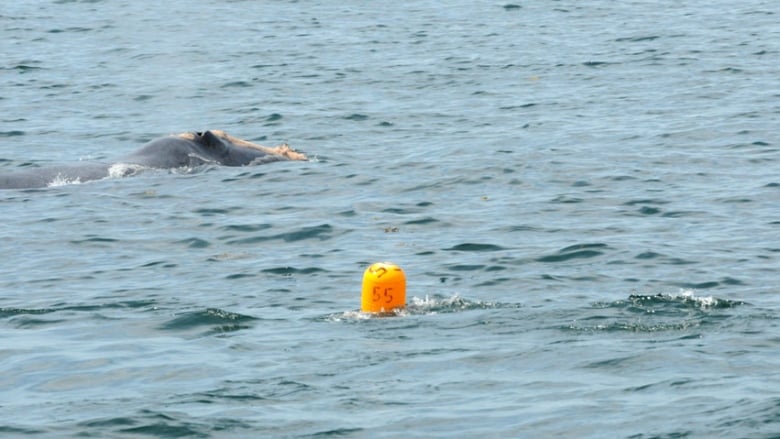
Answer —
233 151
175 151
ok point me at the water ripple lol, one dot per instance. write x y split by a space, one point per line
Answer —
579 251
474 247
321 232
216 320
661 312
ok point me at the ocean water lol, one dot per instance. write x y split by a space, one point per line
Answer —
583 194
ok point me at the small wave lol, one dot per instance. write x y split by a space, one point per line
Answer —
683 311
9 312
321 232
475 247
290 271
12 133
26 318
579 251
217 320
683 299
132 304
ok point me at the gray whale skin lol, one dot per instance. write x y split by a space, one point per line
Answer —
176 151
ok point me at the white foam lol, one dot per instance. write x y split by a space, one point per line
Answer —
703 302
61 180
418 306
119 170
428 305
349 316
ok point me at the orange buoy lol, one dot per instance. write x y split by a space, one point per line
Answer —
384 288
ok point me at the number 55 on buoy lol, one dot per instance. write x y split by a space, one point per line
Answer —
384 288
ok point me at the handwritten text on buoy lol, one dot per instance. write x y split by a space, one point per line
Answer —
384 288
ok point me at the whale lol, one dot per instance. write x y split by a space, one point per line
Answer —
185 150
